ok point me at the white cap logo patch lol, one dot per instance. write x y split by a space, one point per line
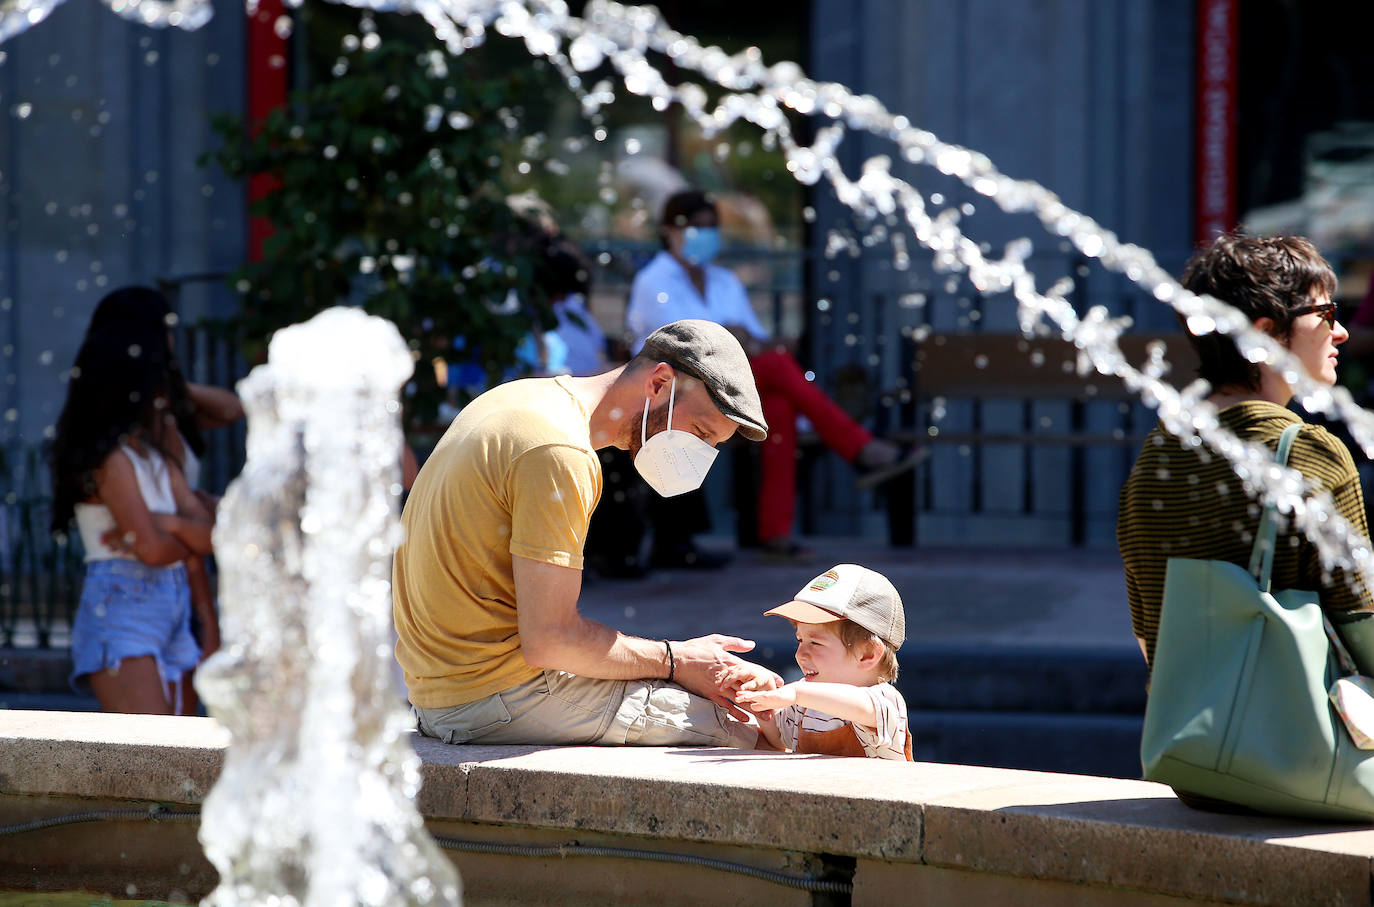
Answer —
824 581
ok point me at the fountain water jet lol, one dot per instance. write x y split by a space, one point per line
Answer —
315 805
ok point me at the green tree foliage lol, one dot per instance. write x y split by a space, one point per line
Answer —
389 194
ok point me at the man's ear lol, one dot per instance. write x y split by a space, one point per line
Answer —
658 380
1266 324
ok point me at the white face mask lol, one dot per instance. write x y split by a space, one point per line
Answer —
673 462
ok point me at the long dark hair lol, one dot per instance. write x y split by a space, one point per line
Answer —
142 316
121 370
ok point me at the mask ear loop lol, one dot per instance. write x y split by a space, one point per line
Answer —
644 420
644 424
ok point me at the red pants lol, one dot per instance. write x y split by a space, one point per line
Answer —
785 392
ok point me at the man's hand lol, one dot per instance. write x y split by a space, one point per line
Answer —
700 661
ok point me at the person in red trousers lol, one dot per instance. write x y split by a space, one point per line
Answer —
682 282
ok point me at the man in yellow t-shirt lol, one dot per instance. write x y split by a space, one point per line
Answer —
485 584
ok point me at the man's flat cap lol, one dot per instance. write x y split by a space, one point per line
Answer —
711 354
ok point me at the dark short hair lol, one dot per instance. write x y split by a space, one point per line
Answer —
562 269
1263 277
682 206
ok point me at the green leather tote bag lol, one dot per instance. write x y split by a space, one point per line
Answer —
1238 708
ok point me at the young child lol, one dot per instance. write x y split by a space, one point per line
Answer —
849 623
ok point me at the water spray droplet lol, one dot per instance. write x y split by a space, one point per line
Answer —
585 54
1200 325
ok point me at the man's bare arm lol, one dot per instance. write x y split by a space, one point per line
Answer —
554 635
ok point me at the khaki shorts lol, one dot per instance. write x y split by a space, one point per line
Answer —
558 707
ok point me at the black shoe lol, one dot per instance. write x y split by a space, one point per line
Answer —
689 557
910 458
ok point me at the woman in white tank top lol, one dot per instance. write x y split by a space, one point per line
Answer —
115 469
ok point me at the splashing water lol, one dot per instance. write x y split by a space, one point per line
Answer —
315 803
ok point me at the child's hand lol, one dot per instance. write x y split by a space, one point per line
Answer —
769 699
745 676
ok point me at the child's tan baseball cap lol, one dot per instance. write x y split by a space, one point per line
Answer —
850 591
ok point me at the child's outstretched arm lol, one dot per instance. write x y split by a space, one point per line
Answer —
746 676
842 700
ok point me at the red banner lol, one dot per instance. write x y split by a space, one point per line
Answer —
1215 196
266 92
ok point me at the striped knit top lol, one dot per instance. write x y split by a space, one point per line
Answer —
1187 502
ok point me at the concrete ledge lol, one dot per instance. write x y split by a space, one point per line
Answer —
93 754
1130 835
928 827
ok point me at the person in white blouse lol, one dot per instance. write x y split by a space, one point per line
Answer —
682 282
113 473
144 317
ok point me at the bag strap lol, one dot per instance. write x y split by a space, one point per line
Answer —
1347 664
1262 557
1266 535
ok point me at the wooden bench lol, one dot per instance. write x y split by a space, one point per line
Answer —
979 368
1013 367
973 367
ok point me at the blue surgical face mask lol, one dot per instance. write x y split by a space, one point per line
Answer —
700 245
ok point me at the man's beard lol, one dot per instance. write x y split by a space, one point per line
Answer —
658 421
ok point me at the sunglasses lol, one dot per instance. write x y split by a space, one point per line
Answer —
1325 309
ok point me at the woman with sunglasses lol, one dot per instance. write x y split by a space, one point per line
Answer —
1186 502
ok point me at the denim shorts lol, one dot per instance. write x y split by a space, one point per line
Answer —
129 609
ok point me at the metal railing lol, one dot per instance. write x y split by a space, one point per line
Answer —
40 574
